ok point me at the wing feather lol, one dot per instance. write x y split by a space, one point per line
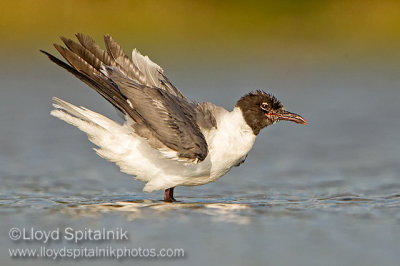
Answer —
170 118
125 64
88 43
138 88
154 74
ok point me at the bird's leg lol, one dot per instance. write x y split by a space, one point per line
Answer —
169 195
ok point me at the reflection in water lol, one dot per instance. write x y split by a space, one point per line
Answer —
220 212
238 211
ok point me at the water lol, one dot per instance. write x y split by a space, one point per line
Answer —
324 194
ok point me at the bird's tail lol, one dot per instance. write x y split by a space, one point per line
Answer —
71 113
115 142
98 127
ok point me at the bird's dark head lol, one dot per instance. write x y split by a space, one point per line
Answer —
261 109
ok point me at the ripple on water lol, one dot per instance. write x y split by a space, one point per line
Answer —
239 211
246 204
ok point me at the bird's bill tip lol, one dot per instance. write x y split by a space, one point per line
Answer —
288 116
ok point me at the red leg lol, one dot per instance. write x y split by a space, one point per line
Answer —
169 195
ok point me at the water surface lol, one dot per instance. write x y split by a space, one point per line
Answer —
324 194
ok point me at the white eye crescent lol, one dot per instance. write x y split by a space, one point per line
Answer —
264 106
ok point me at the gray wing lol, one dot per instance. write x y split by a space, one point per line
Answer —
139 89
170 122
154 74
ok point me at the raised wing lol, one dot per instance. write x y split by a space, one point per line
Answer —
169 120
154 74
138 88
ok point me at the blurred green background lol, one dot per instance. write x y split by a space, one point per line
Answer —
304 29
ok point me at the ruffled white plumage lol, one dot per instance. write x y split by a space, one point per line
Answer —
119 144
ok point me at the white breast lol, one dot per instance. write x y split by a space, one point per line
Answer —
232 141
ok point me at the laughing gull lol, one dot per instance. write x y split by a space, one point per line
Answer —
166 139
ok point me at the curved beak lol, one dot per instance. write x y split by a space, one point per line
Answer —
292 117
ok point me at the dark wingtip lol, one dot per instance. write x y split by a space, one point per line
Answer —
64 39
81 37
53 58
48 55
61 49
107 37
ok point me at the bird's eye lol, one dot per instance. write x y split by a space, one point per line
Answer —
264 106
